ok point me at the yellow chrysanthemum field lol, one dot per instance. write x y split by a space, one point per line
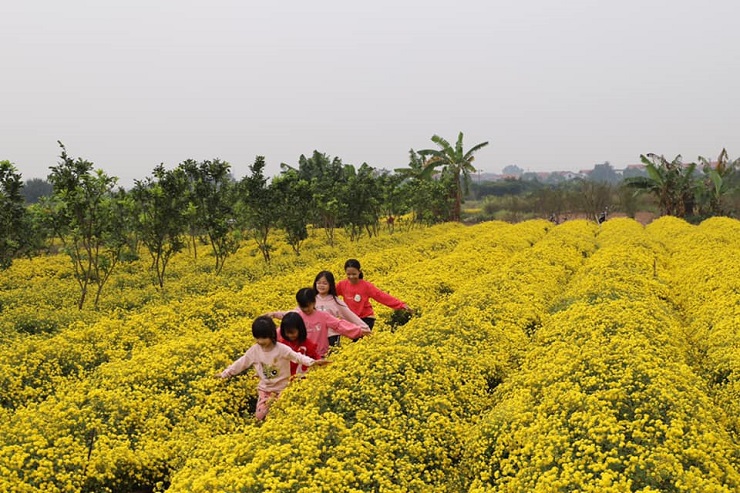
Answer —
577 357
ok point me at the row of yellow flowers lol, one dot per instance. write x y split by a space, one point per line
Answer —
706 283
606 398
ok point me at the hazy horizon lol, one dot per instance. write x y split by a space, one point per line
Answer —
551 86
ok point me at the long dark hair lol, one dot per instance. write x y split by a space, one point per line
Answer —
293 320
353 262
330 279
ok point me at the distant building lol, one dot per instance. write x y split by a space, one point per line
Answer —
633 170
569 175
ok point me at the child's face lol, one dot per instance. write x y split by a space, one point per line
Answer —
353 274
291 334
265 342
322 286
308 310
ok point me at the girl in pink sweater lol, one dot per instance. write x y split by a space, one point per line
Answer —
327 301
271 360
357 293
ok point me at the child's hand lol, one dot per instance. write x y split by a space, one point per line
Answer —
366 331
321 362
218 375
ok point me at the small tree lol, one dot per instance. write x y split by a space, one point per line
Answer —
428 198
361 197
255 207
161 201
86 223
212 193
327 178
550 202
594 198
392 201
293 198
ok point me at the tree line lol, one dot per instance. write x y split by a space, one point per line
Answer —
692 191
197 204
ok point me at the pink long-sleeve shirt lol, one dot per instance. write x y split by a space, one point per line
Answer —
357 296
272 366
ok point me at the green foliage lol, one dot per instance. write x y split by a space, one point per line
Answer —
392 201
256 210
507 186
293 197
213 196
161 202
327 180
671 182
719 184
14 231
429 199
35 188
361 196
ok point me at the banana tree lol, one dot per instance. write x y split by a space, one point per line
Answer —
718 184
455 161
673 184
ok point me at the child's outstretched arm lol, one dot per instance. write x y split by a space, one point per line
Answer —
345 327
304 360
238 366
386 299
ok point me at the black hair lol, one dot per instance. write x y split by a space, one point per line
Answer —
353 262
330 279
293 320
264 327
305 297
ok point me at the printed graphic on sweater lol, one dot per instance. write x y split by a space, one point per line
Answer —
270 371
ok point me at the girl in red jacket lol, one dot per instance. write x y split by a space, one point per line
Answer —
293 334
357 293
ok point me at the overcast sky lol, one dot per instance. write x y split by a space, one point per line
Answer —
552 85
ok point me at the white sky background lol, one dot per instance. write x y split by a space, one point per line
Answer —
552 85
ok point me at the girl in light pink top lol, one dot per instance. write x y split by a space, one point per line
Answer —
326 301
